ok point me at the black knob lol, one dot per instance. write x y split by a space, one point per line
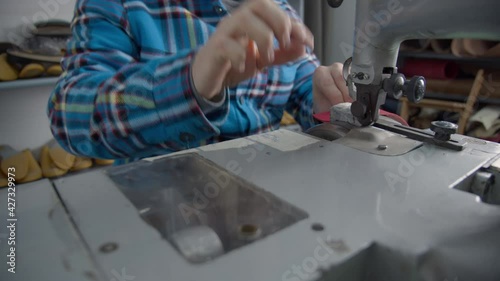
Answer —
335 3
415 89
443 130
358 109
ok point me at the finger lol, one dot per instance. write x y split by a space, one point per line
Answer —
294 52
279 22
309 38
326 85
235 53
336 70
301 34
254 63
257 31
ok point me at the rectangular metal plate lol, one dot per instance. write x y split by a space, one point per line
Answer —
47 245
371 140
184 192
402 203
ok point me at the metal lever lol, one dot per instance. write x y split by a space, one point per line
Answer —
443 132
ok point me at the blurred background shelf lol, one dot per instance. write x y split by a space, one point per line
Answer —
483 62
38 82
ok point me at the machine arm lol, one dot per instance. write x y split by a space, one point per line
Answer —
381 26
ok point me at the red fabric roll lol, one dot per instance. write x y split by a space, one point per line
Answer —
430 69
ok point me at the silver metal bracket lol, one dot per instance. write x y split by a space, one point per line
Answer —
422 135
342 114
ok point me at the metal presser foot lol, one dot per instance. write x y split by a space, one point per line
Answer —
386 136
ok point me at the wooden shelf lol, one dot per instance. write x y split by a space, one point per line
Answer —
465 109
38 82
462 87
461 98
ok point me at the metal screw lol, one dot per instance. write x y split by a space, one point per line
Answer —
382 147
108 248
361 76
317 227
249 232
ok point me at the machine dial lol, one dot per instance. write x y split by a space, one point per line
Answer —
414 89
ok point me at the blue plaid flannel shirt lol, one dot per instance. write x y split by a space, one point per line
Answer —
126 91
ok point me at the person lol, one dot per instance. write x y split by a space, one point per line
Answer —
149 77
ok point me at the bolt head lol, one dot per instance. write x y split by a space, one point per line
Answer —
382 147
443 130
444 127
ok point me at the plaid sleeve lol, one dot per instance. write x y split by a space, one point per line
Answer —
111 103
300 103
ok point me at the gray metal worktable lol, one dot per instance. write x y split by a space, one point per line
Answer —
401 218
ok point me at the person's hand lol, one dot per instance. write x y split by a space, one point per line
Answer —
329 88
242 45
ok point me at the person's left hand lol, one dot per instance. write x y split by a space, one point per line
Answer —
329 88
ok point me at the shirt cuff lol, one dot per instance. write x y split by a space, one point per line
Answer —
206 105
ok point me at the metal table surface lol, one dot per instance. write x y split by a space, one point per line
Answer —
381 218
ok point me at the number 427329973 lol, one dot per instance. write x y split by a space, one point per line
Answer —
11 177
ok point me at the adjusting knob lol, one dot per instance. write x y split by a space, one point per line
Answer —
443 130
415 89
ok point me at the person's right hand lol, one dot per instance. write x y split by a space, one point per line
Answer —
242 45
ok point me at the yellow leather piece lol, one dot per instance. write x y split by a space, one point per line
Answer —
54 70
19 162
81 164
62 159
49 169
104 162
32 70
7 71
34 170
3 180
